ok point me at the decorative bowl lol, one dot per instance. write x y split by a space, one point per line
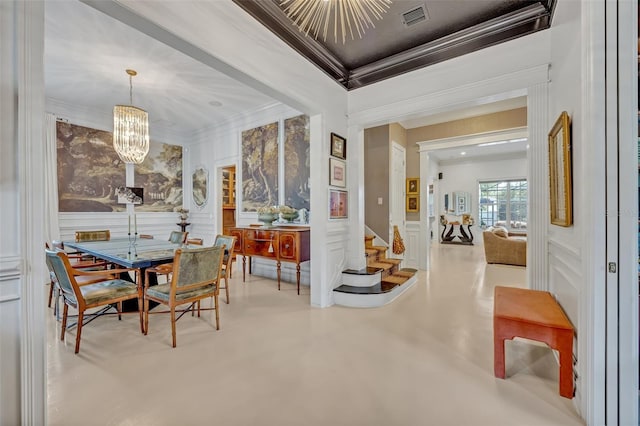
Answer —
267 218
289 217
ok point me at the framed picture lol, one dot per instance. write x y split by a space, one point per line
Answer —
560 172
129 195
338 146
413 203
413 185
338 204
337 173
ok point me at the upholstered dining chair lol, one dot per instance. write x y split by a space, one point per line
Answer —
229 243
83 290
77 261
84 236
196 276
176 237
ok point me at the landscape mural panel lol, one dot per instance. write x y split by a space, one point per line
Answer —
260 167
296 162
160 174
89 170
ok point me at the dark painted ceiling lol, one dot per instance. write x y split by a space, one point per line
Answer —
452 28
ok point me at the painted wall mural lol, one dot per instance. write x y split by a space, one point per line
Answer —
260 167
296 162
89 170
90 173
160 174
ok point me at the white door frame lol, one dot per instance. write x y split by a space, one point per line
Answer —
396 190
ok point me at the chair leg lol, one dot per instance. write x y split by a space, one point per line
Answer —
215 299
50 294
173 325
198 309
119 311
146 316
226 284
140 309
79 330
63 327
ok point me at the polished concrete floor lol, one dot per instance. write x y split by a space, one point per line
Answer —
425 359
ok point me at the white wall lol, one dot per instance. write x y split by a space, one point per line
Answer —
465 177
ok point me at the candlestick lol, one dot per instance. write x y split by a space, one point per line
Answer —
135 224
129 224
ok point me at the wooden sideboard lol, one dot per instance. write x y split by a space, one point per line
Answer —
282 244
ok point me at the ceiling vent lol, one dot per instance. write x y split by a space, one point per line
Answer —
415 15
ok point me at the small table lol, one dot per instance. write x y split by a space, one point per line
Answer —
463 238
534 315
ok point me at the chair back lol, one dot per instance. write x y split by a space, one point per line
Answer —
177 237
227 241
83 236
196 268
195 241
58 264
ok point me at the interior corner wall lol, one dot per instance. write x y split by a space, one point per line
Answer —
376 180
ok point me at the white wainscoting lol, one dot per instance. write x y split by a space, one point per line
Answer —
10 282
158 224
564 272
412 245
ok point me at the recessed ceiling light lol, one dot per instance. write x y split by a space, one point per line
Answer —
215 103
463 153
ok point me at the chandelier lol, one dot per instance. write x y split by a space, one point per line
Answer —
130 129
313 17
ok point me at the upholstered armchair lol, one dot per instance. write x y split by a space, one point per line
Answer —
195 276
83 290
499 247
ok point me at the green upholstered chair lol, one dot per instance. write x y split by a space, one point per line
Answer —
89 289
177 237
229 243
195 276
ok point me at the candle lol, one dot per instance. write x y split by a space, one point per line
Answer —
135 224
129 224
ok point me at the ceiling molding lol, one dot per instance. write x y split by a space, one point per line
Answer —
524 21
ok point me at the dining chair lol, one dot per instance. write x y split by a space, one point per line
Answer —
195 241
84 236
83 290
176 237
196 276
80 261
229 243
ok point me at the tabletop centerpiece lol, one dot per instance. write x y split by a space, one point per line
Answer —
288 213
267 214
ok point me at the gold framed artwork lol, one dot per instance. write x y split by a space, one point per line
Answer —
413 203
413 185
560 183
338 146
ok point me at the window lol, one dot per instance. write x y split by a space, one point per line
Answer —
504 203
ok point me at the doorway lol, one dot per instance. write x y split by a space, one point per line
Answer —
228 191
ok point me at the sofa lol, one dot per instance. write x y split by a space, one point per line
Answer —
500 247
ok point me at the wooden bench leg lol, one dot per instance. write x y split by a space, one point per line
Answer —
566 366
498 350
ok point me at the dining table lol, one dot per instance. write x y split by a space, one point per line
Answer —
136 253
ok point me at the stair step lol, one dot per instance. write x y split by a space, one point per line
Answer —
363 271
375 289
368 240
370 252
381 265
392 261
402 273
394 279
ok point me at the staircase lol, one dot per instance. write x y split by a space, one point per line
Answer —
379 283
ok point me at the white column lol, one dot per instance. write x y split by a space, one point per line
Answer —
538 170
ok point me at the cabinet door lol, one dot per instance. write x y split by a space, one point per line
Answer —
288 245
261 243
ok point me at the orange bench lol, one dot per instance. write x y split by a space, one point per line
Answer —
534 315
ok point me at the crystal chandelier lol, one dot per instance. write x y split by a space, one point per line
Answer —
130 129
313 17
